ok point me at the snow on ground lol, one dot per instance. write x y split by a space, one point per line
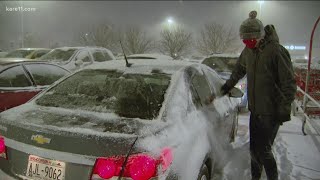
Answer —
298 156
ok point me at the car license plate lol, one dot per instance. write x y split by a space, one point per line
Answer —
45 169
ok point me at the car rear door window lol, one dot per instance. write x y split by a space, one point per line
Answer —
101 56
214 80
201 87
107 56
84 56
39 54
14 77
45 74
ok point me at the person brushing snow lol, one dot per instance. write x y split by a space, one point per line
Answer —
271 90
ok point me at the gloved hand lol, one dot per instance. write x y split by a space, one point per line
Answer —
225 89
283 118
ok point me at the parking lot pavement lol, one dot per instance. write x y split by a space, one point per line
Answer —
298 156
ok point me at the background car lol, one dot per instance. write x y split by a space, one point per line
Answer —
29 53
152 118
38 53
3 54
73 58
21 79
223 64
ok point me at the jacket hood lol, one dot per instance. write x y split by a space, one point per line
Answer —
271 33
270 36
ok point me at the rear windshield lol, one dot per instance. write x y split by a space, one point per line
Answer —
58 55
127 95
221 64
18 53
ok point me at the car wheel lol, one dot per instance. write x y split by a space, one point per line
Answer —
204 173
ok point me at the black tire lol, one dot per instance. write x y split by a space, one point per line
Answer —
204 173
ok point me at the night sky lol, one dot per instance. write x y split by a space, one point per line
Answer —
60 21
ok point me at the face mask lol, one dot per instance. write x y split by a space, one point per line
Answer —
250 43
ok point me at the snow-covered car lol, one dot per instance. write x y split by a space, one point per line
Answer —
38 53
21 79
151 120
29 53
223 64
2 53
150 56
74 58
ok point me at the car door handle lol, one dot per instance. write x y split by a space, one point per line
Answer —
226 114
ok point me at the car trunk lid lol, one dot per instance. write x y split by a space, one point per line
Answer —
71 138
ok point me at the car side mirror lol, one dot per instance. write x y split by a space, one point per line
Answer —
78 62
235 92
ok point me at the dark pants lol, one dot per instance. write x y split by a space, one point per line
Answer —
263 130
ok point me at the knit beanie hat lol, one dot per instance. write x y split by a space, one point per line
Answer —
251 28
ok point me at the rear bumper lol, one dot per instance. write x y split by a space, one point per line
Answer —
116 178
5 173
16 167
77 166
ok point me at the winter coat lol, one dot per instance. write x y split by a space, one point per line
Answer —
270 77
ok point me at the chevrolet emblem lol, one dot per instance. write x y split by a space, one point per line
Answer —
40 139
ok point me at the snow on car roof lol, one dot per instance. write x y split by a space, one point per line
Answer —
5 61
33 49
224 55
142 66
80 47
151 56
200 59
69 48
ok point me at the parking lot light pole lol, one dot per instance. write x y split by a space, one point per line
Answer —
22 28
260 8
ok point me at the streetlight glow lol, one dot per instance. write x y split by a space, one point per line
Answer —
170 20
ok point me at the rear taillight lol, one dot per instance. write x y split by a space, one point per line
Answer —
106 168
3 153
142 167
139 166
166 158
